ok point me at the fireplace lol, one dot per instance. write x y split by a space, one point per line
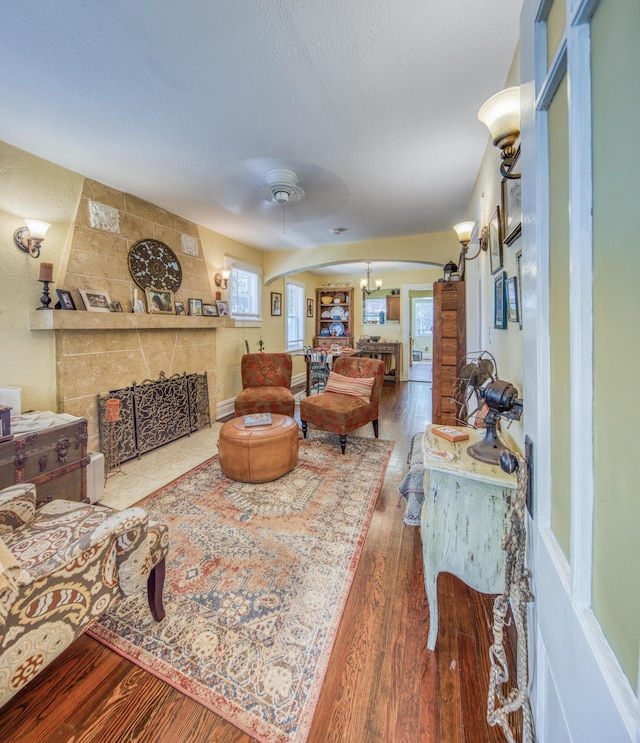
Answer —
155 412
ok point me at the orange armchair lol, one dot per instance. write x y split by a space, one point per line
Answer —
343 413
266 384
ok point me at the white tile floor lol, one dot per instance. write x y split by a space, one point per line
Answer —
140 477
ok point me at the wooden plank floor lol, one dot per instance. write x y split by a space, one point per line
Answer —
382 684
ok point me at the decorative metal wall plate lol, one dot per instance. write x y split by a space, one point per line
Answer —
154 264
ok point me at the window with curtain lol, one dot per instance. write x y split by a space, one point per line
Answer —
245 291
295 294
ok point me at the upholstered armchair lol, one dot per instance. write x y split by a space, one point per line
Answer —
61 567
351 398
266 384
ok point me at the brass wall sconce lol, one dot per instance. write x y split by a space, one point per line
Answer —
464 230
221 278
501 115
29 239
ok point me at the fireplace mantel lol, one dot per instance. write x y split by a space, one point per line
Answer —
83 320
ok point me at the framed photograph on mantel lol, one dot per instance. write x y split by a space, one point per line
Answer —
495 241
95 301
511 206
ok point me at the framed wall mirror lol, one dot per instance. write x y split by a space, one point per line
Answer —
381 307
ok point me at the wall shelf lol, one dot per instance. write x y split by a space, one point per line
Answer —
83 320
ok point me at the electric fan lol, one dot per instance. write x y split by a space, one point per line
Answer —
478 382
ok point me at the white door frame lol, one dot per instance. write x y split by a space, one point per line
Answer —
580 692
405 302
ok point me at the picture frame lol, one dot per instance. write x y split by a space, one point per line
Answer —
137 306
500 302
116 306
511 193
65 300
209 310
512 299
223 308
95 301
195 307
276 304
310 307
159 301
519 275
179 307
494 241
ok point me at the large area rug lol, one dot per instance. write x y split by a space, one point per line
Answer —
257 580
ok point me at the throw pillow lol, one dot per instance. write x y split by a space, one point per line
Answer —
355 386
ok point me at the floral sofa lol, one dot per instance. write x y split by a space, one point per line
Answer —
61 567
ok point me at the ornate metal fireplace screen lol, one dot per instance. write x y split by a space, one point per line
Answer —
154 413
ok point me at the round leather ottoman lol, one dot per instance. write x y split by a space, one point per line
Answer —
258 453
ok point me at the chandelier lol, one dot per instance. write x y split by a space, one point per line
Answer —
365 284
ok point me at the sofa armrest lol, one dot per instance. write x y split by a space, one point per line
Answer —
17 506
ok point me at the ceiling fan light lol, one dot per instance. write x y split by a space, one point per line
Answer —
281 196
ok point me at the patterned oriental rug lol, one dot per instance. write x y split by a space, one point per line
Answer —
257 580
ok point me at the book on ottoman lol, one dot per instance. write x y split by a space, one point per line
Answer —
257 419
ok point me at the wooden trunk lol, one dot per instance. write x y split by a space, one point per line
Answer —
54 459
449 347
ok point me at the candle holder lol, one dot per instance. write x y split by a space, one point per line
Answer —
45 299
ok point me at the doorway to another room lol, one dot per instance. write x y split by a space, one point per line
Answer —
421 338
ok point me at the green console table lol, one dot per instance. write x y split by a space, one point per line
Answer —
464 517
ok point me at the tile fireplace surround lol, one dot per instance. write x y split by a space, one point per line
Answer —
96 352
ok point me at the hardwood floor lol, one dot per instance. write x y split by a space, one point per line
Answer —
382 684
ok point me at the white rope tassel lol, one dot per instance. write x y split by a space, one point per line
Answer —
518 593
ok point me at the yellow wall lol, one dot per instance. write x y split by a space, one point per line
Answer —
31 188
616 264
505 344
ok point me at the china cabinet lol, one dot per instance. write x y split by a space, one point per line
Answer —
334 317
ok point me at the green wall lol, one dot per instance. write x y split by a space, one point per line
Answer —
616 265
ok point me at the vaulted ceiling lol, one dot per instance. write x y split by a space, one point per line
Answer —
189 105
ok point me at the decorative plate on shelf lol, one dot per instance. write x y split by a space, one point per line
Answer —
153 264
439 455
336 328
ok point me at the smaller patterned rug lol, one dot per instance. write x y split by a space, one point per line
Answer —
257 580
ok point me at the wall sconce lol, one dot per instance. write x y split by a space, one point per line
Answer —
464 230
29 238
222 278
501 115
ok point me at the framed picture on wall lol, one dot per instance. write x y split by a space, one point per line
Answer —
519 275
276 303
511 206
495 241
500 302
512 299
309 307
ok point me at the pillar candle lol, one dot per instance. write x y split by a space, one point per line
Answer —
46 272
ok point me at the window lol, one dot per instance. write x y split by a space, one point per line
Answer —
295 315
245 291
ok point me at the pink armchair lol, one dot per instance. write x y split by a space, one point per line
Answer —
266 384
344 413
61 567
